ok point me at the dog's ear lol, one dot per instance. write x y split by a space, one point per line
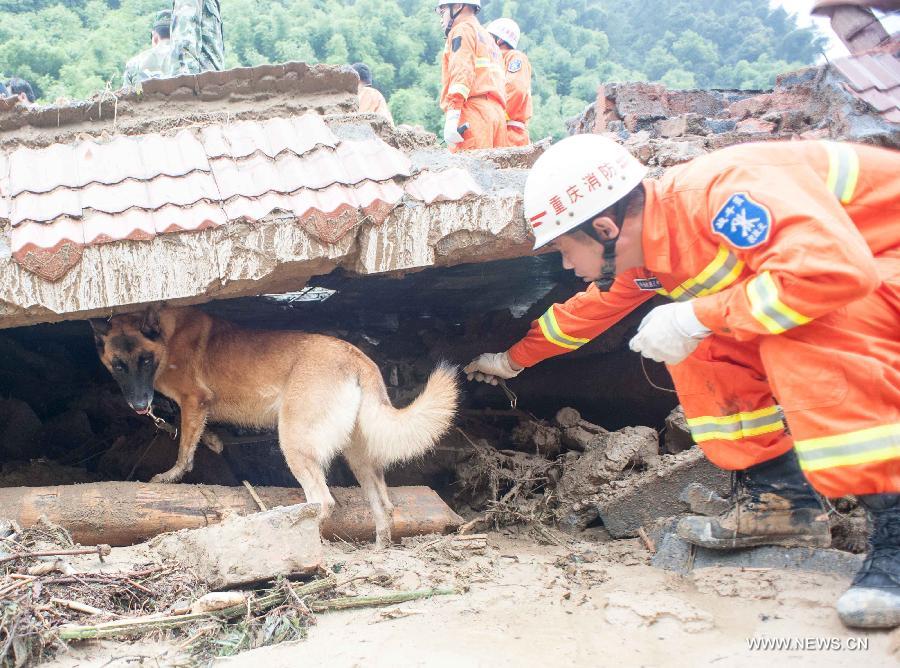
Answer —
150 324
100 326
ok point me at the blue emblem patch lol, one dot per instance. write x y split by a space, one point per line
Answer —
515 65
744 222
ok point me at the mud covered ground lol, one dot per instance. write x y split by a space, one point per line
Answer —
527 603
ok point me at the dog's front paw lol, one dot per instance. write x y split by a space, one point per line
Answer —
173 475
383 540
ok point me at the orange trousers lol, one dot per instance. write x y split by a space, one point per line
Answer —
516 136
487 124
837 380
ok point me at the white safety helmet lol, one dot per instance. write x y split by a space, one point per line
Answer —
505 29
574 180
475 3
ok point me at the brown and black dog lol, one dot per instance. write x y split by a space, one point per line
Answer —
324 395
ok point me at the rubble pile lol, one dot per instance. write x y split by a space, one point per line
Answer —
571 473
52 590
664 127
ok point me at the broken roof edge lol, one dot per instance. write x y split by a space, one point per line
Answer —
188 99
273 255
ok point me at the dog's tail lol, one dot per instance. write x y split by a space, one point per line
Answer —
398 434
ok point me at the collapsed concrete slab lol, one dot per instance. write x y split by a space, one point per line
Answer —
234 183
627 505
265 91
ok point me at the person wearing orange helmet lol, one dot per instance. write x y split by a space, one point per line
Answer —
517 70
472 96
783 263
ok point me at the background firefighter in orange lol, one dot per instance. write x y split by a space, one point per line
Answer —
517 71
472 96
371 101
783 263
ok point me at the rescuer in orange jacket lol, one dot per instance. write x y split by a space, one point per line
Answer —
371 101
517 71
472 96
783 263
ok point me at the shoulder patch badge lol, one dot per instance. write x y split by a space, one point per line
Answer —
456 43
515 65
743 221
648 284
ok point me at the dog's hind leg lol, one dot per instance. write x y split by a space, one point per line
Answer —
383 490
312 429
371 478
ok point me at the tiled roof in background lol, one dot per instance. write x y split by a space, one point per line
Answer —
874 78
66 196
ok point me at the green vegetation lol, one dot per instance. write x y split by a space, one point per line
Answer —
72 48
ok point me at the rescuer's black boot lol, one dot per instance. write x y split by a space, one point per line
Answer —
773 505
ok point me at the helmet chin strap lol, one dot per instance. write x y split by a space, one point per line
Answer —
452 19
608 270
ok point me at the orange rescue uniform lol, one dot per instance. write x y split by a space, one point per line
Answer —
790 252
472 81
518 97
371 101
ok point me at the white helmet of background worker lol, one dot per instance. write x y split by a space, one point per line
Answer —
575 180
505 29
474 3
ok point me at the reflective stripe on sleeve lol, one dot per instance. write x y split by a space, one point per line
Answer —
458 89
768 309
736 426
843 170
554 334
718 275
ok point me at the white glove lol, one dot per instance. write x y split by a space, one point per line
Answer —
451 125
491 368
669 333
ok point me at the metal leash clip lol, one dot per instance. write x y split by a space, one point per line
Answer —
513 399
162 425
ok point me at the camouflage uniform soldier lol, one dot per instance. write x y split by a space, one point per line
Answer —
156 61
197 40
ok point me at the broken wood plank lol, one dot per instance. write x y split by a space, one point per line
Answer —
139 625
125 513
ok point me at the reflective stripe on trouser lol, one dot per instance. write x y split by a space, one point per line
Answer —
517 136
729 405
487 124
838 380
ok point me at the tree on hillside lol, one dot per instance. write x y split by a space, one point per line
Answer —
75 47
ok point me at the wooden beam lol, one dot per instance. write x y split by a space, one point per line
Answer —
125 513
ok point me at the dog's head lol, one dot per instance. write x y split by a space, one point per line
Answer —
133 349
